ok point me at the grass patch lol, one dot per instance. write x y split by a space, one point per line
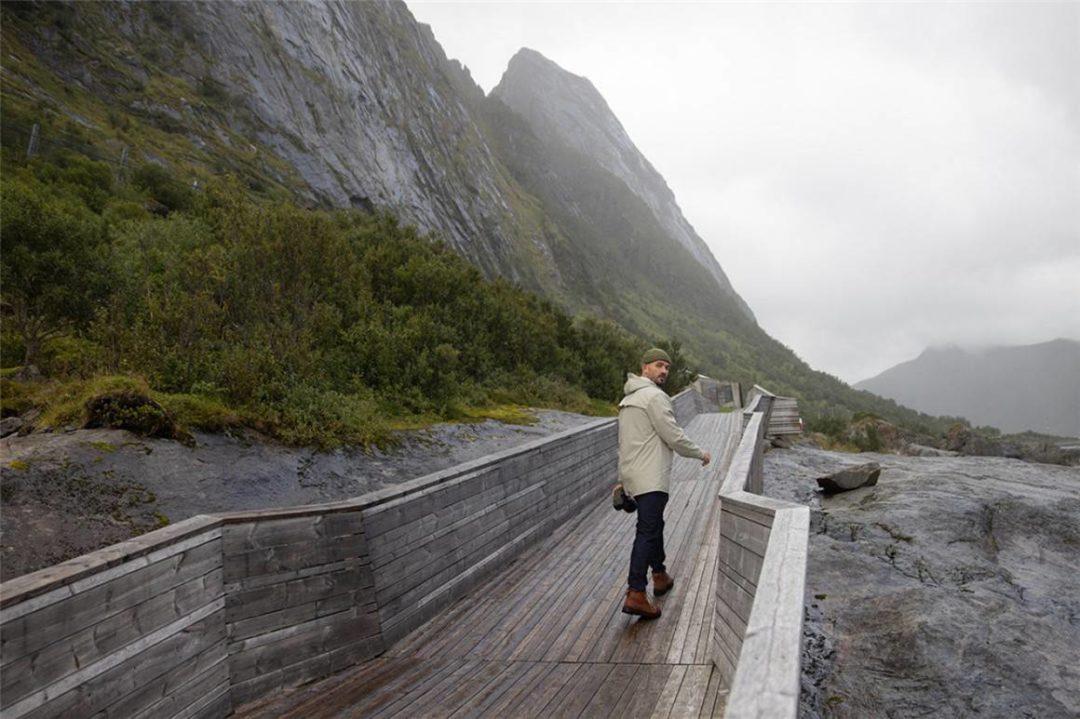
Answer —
64 403
101 446
18 464
200 412
507 414
16 398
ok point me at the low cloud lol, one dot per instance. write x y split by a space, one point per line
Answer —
874 179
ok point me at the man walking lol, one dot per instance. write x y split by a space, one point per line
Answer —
648 434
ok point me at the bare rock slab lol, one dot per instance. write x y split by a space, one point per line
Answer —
864 475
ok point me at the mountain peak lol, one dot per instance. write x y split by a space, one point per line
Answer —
564 109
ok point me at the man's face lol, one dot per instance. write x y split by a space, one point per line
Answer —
656 371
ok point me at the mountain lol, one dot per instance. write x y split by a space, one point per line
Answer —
564 109
339 104
1033 387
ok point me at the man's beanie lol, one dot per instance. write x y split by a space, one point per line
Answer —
653 355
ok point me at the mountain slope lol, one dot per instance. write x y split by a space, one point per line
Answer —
1034 387
355 104
565 109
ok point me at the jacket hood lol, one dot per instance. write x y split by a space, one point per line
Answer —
634 383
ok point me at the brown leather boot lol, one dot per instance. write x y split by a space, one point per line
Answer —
661 583
637 603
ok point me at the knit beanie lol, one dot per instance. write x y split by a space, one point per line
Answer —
653 355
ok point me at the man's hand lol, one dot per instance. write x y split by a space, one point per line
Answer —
706 459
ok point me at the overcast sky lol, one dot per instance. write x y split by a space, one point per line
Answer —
874 179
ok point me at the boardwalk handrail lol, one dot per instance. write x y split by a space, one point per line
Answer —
219 610
760 581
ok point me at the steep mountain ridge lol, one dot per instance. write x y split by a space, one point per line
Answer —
563 108
1033 387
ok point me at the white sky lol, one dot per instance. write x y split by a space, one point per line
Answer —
873 178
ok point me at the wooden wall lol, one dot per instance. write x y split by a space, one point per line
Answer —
757 635
431 546
135 629
214 612
299 596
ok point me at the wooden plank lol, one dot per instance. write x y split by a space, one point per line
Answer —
571 700
172 693
729 636
292 557
757 514
62 658
739 562
33 591
700 616
265 533
666 700
745 533
703 653
466 690
430 700
241 603
402 558
94 688
611 690
216 704
378 677
692 691
714 693
640 696
523 689
30 632
274 650
694 596
732 600
479 705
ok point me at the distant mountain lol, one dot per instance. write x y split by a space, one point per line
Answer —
1033 387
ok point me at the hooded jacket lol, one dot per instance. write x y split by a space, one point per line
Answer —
648 434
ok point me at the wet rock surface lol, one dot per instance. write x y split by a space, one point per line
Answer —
951 588
69 493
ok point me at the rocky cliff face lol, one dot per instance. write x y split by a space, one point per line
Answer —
364 104
357 102
563 108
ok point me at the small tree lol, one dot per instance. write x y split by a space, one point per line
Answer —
680 375
53 271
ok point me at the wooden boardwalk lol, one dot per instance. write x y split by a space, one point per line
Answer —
545 637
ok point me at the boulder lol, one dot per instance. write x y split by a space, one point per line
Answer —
864 475
10 425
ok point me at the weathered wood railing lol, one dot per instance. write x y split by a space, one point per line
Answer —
760 580
215 611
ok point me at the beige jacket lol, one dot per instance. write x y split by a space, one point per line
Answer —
648 434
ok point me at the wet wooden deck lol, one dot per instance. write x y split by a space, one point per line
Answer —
545 637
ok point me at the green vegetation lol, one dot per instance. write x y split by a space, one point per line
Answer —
153 237
317 327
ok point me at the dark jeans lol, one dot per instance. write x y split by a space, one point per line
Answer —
648 548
